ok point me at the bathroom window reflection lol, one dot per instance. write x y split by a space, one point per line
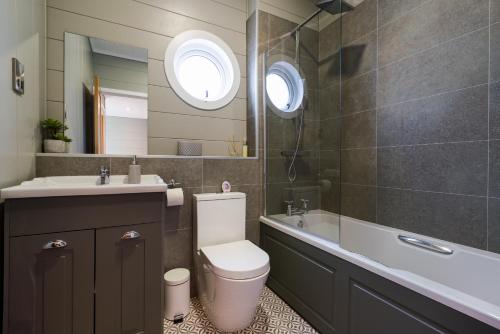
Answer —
278 91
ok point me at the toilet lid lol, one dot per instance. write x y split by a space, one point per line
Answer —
237 260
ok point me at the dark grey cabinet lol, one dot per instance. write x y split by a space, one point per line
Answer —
128 279
336 296
52 289
93 265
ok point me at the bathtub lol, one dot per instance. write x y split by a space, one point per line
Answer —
460 277
318 222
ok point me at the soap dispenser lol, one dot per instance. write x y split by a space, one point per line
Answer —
134 172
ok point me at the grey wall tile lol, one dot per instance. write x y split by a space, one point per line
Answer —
431 23
494 225
329 101
181 217
391 9
275 198
330 40
311 105
307 169
457 116
495 52
236 171
329 70
359 93
452 168
360 56
359 166
61 166
252 231
280 132
495 11
330 165
329 134
253 203
460 63
455 218
178 249
330 197
358 202
309 136
494 179
495 110
187 171
359 130
360 21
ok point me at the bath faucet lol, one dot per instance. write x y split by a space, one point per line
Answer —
293 211
104 175
305 205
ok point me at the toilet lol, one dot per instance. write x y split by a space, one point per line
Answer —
230 271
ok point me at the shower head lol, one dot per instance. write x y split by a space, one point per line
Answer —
333 6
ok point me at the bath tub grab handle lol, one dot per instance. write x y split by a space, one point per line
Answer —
425 244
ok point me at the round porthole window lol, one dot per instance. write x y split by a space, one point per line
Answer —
284 88
202 70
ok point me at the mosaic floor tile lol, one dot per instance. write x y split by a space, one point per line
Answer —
273 316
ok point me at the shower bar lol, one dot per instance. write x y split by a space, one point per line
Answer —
425 244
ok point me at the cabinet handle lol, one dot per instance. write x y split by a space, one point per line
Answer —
131 235
55 244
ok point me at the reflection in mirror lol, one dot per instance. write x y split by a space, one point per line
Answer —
105 96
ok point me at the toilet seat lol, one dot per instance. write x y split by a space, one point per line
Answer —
236 260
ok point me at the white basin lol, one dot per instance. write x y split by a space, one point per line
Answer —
82 185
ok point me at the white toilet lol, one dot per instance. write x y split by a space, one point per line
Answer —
230 270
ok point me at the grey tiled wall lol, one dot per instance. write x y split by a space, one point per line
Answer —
420 117
197 175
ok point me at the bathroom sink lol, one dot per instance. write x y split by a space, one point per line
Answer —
83 185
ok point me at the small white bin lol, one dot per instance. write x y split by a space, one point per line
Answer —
177 294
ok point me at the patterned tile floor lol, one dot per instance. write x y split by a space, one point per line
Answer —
273 316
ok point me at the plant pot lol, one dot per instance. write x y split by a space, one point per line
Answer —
54 146
67 147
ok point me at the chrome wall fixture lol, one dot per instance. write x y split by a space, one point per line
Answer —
17 76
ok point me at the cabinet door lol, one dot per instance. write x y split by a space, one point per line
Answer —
51 290
128 280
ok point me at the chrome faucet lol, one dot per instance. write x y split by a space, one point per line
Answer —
305 205
293 211
104 175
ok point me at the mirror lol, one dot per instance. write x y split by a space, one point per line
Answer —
118 101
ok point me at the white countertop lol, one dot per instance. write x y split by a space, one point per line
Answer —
84 185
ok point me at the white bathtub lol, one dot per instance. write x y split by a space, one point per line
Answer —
468 280
322 223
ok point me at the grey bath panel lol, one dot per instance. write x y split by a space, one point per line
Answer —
336 296
374 314
306 278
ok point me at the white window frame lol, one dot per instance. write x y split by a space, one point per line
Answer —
208 45
287 69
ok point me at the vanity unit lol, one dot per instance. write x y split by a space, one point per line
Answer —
82 257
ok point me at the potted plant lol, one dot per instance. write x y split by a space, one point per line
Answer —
66 140
54 139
